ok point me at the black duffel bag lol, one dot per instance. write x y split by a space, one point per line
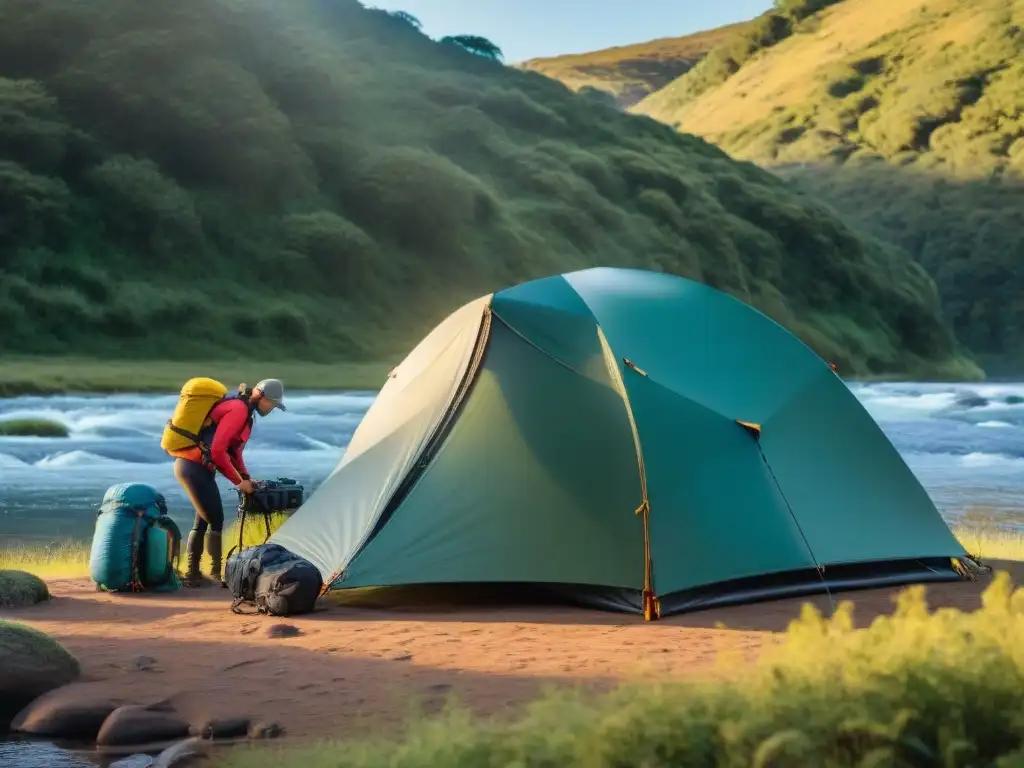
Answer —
273 580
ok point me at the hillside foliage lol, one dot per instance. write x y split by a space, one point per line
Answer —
908 118
322 181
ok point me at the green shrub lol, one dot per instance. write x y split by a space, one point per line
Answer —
19 589
32 428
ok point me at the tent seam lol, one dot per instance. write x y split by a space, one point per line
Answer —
650 607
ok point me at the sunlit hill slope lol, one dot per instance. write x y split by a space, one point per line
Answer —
631 72
907 116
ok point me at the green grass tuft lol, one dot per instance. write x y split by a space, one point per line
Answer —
32 428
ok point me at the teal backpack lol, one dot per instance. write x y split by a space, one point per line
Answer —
135 545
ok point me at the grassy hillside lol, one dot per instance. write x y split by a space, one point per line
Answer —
631 72
907 116
314 180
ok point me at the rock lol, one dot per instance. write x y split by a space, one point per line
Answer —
265 731
134 724
283 630
179 755
57 716
133 761
31 664
143 663
225 728
19 589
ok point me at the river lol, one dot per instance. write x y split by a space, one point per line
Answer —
964 442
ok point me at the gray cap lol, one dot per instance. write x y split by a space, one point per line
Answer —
273 389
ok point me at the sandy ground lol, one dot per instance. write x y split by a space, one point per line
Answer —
354 663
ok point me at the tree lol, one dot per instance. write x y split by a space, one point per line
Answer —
407 17
475 44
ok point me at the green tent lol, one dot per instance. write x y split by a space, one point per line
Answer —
635 440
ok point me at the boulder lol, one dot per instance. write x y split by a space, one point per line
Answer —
134 724
19 589
31 664
61 715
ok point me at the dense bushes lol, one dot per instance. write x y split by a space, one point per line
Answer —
193 179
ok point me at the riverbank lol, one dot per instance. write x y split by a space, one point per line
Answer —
66 376
351 673
69 375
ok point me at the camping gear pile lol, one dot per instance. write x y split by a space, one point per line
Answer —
135 544
268 577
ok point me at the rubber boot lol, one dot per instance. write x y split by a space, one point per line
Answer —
194 553
213 548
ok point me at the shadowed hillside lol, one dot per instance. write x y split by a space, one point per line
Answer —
908 117
318 180
631 72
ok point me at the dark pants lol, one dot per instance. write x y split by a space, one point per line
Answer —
201 486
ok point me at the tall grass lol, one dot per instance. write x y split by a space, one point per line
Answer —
917 688
69 558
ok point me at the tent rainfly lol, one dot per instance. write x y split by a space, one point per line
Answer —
633 440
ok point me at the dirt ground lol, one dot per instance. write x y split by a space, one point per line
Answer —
348 663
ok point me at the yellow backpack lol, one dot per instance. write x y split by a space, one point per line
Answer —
197 398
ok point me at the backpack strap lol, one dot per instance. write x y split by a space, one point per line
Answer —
204 439
136 578
236 607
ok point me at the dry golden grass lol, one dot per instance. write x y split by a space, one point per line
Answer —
632 71
69 559
785 74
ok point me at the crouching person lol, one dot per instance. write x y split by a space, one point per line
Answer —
221 447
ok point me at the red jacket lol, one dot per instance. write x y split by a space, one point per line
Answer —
233 428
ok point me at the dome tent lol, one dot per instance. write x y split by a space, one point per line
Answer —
636 440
